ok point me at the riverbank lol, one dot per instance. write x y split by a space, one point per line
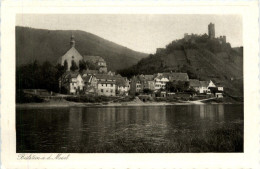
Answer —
64 103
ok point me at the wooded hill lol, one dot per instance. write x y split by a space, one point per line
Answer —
48 45
202 58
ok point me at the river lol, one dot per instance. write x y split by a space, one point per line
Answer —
143 129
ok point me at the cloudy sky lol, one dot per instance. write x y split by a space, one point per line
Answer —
142 33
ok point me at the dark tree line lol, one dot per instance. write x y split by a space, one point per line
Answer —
177 86
46 76
35 76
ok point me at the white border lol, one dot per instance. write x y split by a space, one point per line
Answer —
248 159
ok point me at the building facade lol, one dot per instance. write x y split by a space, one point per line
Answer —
98 61
72 82
106 88
72 55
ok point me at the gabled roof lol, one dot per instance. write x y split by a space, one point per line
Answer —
194 83
90 89
121 82
204 83
70 74
71 52
87 78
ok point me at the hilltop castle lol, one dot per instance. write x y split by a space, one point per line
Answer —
211 35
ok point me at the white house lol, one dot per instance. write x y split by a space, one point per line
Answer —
160 82
205 85
72 82
106 88
220 89
122 85
106 85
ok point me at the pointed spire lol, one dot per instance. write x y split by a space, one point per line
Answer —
72 41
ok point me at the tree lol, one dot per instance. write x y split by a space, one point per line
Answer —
182 86
65 65
82 65
73 66
60 70
147 91
48 79
91 65
171 86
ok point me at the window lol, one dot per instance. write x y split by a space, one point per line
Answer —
111 90
102 84
111 85
102 90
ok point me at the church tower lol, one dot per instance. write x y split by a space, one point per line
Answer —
72 55
211 30
72 41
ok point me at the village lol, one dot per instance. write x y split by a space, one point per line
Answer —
89 76
101 82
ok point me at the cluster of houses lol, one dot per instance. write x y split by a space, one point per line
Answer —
111 84
101 82
157 84
95 83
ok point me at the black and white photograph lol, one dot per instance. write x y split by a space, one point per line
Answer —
129 83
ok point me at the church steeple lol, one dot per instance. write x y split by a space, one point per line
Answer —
72 41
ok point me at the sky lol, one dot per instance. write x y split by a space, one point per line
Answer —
140 32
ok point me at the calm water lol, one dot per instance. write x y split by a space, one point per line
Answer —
88 129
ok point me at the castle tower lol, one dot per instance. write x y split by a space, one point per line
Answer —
72 41
224 39
211 30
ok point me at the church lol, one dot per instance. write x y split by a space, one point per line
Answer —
71 55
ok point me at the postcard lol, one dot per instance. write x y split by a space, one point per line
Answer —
130 85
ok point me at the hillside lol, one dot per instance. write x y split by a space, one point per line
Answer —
48 45
201 58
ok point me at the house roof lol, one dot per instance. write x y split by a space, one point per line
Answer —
88 71
121 82
194 83
70 74
106 82
87 78
204 83
93 59
178 76
148 77
90 89
105 76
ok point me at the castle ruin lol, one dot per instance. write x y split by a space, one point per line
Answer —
211 30
211 35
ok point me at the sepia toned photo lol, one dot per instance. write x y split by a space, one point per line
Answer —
129 83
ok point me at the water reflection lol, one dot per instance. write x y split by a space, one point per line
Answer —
71 129
212 112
